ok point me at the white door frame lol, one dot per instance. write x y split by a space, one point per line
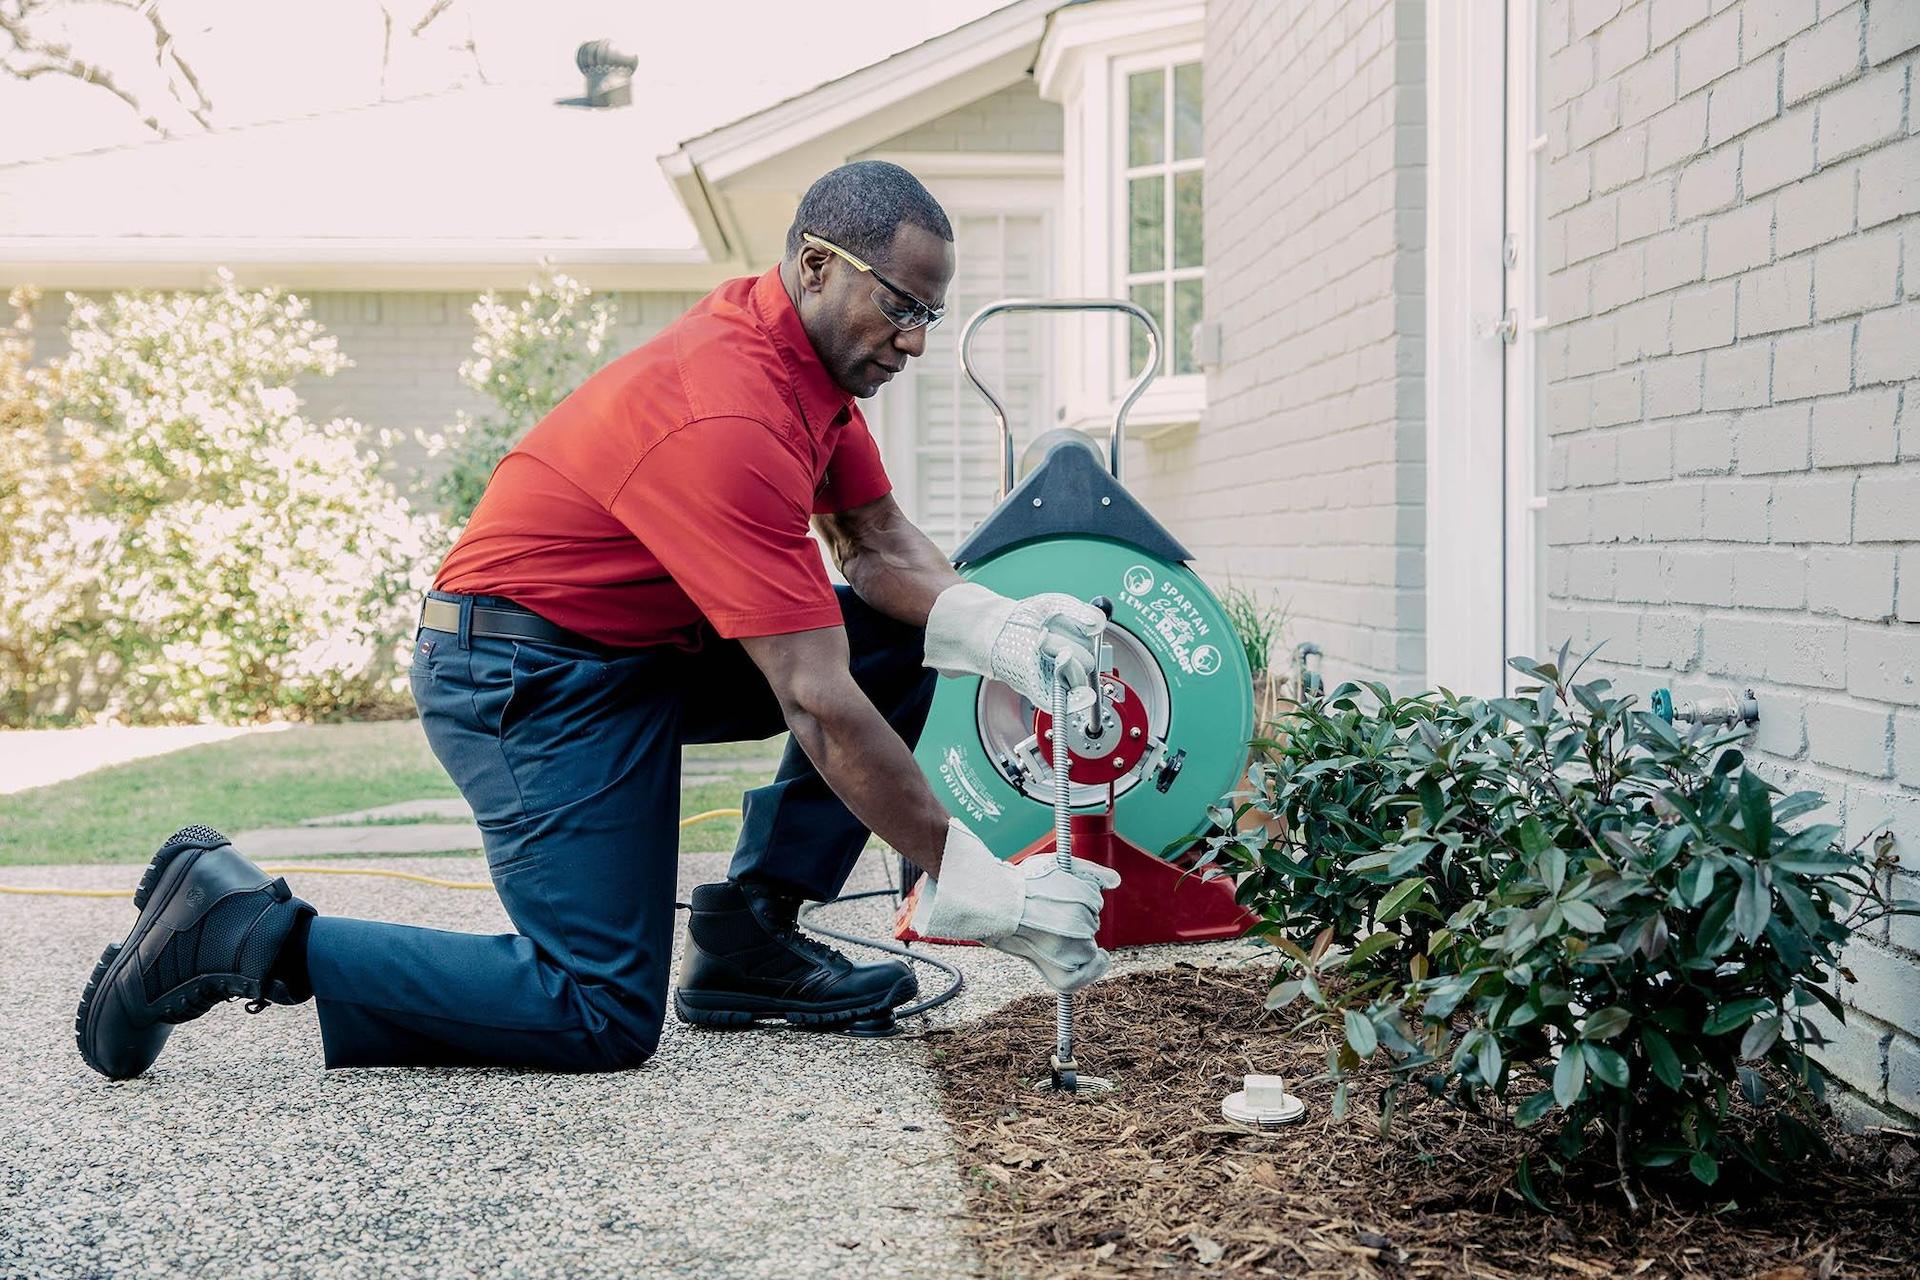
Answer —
1481 522
1526 141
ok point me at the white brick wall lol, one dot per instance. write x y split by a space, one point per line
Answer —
1737 186
406 350
1306 479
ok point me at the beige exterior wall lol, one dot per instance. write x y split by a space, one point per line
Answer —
1732 403
1014 119
406 350
1305 477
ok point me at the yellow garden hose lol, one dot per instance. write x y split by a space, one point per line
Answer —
307 869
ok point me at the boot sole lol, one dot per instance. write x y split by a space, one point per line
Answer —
739 1012
150 884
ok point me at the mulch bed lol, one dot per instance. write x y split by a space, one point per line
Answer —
1153 1180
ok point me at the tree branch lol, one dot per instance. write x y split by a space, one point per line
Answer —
59 59
426 20
164 49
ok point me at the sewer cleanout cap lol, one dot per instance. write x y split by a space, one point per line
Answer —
1263 1101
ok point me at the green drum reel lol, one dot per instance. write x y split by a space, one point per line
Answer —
1069 525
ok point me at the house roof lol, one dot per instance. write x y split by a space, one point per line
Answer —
468 186
733 176
473 175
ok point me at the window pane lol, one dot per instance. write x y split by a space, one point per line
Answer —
1187 207
1147 224
1146 117
1186 111
1187 308
1152 298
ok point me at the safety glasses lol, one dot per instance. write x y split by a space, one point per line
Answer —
905 317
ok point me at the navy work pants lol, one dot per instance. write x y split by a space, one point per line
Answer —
570 759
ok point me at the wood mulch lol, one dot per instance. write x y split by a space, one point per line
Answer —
1151 1180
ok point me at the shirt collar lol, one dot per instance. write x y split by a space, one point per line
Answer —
822 401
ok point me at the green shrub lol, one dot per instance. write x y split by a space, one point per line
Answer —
1259 626
1394 815
1554 903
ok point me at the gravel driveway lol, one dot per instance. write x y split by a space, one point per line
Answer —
749 1154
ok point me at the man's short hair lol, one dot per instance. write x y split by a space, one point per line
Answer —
859 206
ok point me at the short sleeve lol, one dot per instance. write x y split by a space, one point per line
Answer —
721 503
855 475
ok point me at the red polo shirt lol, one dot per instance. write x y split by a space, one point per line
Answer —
676 484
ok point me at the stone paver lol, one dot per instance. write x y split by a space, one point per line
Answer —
730 1155
450 808
317 841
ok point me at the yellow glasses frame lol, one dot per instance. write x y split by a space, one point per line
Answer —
904 319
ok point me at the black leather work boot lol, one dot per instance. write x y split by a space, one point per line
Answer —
746 959
212 927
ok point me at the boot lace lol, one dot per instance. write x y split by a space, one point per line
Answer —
783 919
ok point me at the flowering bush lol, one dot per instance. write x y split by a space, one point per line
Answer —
527 358
42 572
208 551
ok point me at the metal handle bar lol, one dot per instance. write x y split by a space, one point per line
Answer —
1061 304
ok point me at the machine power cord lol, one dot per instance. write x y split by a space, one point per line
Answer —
957 980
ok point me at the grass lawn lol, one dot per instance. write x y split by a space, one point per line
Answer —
276 779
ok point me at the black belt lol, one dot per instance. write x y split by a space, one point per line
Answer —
506 622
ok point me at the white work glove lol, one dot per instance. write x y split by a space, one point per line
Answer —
975 631
1035 910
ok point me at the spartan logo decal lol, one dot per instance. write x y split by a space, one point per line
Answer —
1138 580
1206 660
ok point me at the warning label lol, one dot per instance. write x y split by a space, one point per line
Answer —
965 786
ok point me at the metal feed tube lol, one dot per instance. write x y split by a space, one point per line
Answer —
1063 1063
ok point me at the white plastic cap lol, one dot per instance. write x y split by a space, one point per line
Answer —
1266 1093
1264 1101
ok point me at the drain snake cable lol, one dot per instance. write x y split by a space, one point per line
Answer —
957 980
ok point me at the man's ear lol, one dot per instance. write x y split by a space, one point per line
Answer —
813 267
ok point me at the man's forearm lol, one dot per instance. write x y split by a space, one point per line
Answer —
873 772
897 570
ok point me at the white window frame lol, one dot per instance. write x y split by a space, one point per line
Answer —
1079 67
966 183
1192 384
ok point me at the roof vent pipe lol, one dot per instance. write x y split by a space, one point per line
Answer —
609 73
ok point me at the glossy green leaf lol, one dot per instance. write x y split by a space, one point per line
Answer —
1760 1037
1606 1065
1756 811
1815 865
1360 1033
1570 1075
1704 1167
1400 897
1738 1013
1583 916
1372 947
1604 1024
1553 868
1487 1057
1533 1108
1284 994
1696 881
1753 905
1523 1179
